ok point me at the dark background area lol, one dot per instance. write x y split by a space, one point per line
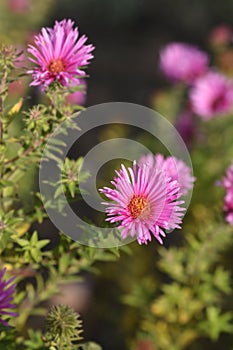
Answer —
128 34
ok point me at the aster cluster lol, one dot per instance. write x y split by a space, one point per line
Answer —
227 183
60 56
144 201
146 198
210 92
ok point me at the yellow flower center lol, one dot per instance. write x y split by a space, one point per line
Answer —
56 66
136 205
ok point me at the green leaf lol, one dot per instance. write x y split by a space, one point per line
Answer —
42 243
22 242
34 238
64 263
216 323
35 254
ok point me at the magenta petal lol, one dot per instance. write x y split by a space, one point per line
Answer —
6 296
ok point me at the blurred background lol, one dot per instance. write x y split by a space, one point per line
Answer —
128 35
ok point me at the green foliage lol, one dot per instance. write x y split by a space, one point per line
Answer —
7 338
32 247
15 25
35 341
72 176
192 303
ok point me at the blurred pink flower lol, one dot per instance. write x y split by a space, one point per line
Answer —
144 201
221 35
183 62
211 95
78 97
227 183
173 168
18 6
17 88
59 55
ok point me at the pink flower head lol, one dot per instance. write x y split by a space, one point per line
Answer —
183 62
221 35
173 168
6 297
18 6
227 183
211 95
59 55
144 201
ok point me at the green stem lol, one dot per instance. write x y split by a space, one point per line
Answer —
2 98
25 153
61 345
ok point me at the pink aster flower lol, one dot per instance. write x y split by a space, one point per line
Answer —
144 201
173 168
59 55
227 183
183 62
212 95
6 297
